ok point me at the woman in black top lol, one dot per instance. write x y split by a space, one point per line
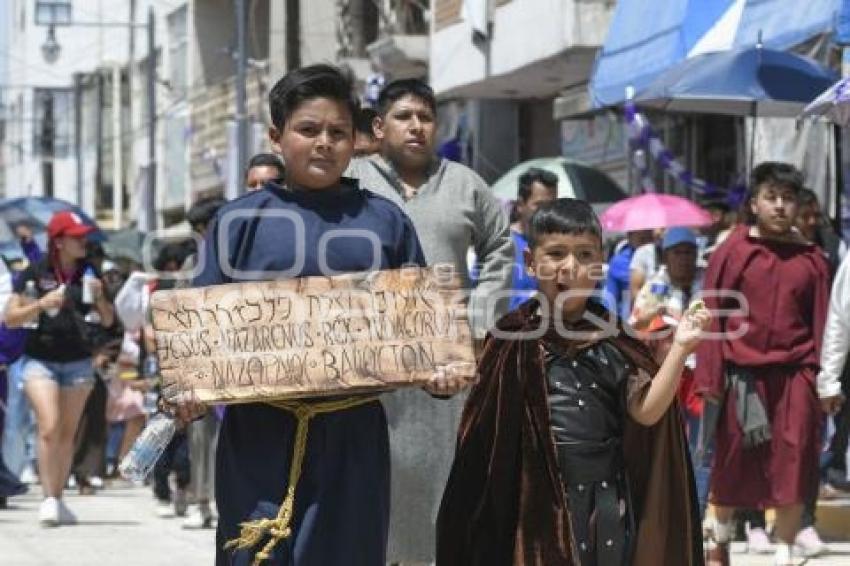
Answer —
57 366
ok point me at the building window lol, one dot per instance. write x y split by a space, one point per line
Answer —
53 12
15 129
717 146
357 27
413 17
53 135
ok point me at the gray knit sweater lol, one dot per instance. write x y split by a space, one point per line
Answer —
452 212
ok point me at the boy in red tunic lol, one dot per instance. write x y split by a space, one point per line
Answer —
762 368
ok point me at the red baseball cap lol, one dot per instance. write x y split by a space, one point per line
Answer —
67 223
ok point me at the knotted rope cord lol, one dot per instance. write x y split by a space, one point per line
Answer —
279 528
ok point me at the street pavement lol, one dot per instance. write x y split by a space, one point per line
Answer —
119 526
839 556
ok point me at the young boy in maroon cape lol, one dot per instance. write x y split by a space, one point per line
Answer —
775 287
570 452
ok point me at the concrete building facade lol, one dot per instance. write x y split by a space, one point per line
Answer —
74 126
499 67
210 92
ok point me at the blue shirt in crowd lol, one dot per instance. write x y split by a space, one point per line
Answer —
523 285
617 282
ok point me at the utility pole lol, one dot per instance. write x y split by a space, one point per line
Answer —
48 131
241 118
117 153
842 139
293 34
132 110
131 48
149 201
90 198
78 134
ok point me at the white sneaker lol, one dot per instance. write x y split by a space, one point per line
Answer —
201 517
808 543
758 542
164 509
181 505
28 475
96 482
66 516
48 512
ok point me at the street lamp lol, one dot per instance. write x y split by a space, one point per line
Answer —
52 13
58 12
51 49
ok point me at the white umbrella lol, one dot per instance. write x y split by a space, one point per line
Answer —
833 104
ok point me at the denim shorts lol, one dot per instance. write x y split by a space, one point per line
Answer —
65 374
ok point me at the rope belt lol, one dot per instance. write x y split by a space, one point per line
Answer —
279 528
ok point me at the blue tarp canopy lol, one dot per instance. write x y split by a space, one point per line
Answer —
645 39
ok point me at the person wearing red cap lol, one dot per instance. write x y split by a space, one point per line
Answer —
57 364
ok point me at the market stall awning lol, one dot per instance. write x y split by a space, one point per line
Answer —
643 42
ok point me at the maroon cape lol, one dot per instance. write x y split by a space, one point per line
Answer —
504 503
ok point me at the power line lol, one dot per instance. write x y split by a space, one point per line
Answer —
48 70
22 61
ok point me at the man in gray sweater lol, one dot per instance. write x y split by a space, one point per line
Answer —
452 210
451 207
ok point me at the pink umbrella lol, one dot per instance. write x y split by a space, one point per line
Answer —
649 211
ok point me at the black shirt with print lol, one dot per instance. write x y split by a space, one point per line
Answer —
65 337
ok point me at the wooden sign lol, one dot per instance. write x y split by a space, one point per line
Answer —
312 336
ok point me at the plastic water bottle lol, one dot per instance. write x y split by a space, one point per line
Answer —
88 293
89 276
54 311
150 371
656 296
151 366
93 317
31 293
147 448
149 402
659 289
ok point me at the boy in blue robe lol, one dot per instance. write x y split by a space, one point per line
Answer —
340 506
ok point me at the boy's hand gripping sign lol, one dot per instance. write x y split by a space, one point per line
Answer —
313 336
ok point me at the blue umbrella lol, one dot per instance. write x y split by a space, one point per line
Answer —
751 81
35 212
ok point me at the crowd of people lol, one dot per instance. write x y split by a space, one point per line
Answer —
79 373
728 364
756 388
